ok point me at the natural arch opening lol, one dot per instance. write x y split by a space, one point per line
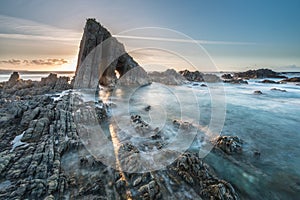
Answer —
117 74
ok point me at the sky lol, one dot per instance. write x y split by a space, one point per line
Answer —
225 35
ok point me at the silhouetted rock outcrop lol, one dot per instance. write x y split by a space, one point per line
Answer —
14 77
100 56
260 73
57 83
52 83
199 77
192 76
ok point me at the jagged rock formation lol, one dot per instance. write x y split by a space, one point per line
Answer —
17 86
260 73
100 56
199 77
229 144
192 76
168 77
14 77
42 156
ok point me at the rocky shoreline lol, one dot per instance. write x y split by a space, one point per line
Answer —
44 150
43 157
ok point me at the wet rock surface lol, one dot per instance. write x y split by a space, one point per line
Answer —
43 156
229 144
257 92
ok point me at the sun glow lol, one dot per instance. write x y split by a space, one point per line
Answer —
70 66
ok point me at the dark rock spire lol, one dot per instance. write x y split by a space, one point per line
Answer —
100 55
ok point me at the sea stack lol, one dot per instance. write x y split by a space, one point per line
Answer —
101 56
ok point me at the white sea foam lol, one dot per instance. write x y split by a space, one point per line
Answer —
17 142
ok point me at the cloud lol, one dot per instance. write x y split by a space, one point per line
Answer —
11 62
16 28
184 40
48 62
288 68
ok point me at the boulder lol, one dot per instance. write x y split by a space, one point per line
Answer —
257 92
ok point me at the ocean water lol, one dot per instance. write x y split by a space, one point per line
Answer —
268 123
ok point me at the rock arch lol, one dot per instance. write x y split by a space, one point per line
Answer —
98 63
